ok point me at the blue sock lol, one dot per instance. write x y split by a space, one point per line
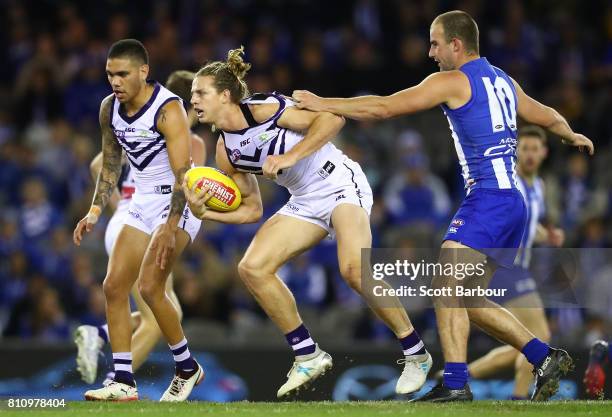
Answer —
412 344
455 375
123 368
535 351
300 341
609 351
103 332
182 357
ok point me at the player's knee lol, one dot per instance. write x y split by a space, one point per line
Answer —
351 272
114 288
150 291
250 271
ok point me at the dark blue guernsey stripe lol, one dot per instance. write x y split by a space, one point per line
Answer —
145 162
143 109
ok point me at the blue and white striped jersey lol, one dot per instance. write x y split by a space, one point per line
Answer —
484 129
534 201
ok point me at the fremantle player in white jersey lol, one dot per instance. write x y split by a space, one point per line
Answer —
481 103
149 123
330 195
521 296
146 332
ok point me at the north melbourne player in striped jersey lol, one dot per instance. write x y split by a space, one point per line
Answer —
481 103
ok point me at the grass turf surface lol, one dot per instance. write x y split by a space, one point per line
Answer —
304 409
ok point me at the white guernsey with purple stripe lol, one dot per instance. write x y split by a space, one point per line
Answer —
144 145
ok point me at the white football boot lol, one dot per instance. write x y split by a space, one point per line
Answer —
416 368
180 388
114 391
89 345
304 371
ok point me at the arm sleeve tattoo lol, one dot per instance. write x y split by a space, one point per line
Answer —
111 157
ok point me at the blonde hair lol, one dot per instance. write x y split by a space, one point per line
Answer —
229 75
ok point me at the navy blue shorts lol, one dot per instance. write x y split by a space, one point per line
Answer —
517 281
491 221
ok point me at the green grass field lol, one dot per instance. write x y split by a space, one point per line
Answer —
304 409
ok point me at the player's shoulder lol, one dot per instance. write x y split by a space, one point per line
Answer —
105 110
107 101
448 79
265 106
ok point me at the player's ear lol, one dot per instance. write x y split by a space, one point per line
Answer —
144 72
226 96
456 43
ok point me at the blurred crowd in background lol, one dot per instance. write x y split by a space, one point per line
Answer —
53 79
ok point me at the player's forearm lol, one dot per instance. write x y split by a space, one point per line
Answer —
178 201
559 126
357 108
107 182
323 129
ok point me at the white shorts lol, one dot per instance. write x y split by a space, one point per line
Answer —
348 185
114 227
148 211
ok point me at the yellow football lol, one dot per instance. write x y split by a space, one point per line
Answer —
225 193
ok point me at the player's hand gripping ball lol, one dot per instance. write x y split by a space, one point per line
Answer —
224 191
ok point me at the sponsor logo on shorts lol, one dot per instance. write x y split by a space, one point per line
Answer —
163 189
235 155
134 214
340 197
457 222
452 230
327 169
292 207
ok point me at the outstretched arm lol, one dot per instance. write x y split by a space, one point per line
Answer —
537 113
319 128
442 87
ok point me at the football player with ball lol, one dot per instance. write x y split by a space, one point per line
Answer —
330 195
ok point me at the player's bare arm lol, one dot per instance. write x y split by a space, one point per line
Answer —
172 123
537 113
319 128
449 87
95 167
109 173
251 208
198 150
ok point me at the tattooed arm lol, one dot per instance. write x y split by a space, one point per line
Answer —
172 123
109 174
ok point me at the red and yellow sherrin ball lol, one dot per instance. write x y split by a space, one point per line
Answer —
225 193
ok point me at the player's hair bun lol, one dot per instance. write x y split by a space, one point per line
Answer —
236 63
